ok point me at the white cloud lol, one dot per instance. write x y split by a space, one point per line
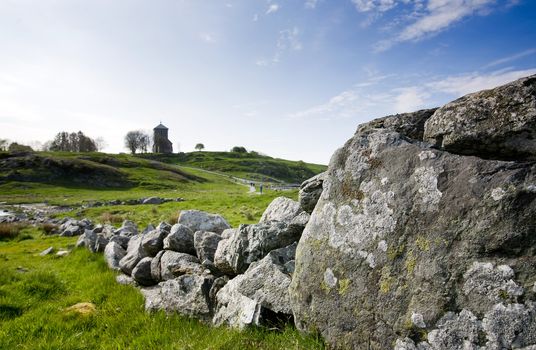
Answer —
208 38
311 4
272 8
369 99
510 58
426 17
255 17
374 5
473 82
288 40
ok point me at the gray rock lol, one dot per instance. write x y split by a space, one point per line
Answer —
128 229
197 220
410 125
113 253
62 253
205 244
259 295
121 240
152 200
180 239
153 242
135 253
310 191
125 280
81 242
94 241
397 228
47 251
142 272
281 209
187 294
250 243
155 267
173 264
510 326
493 124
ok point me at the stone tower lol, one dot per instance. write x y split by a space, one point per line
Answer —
161 143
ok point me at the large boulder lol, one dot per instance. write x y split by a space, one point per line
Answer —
197 220
93 241
404 233
281 209
250 243
128 229
180 239
260 295
205 244
493 124
310 191
187 294
113 253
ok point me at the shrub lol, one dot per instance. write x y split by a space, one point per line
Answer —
110 218
49 228
10 230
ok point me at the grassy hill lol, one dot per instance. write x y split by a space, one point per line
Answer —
250 165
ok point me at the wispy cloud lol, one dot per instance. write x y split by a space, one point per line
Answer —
311 4
374 5
368 100
208 38
288 40
511 58
425 17
272 8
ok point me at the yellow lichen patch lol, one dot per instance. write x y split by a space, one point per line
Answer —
343 286
422 243
386 280
410 263
324 287
394 252
82 309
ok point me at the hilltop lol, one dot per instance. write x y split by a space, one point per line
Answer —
250 165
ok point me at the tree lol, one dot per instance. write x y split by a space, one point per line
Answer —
239 149
3 144
72 142
100 143
15 147
199 147
137 140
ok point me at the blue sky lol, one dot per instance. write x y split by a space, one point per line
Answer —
289 78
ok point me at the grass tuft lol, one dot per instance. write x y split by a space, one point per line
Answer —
9 231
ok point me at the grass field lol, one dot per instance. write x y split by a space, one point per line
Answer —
35 291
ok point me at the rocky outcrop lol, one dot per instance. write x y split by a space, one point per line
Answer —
415 247
493 124
411 125
197 220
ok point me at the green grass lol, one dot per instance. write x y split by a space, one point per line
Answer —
35 291
33 303
250 165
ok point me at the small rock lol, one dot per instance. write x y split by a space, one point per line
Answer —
47 251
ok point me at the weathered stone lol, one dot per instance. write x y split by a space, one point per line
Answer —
121 240
495 124
125 280
258 296
281 209
197 220
410 125
94 241
310 191
397 227
142 272
205 244
62 253
187 294
156 273
128 228
47 251
113 253
135 253
510 326
173 264
153 242
152 200
180 239
251 243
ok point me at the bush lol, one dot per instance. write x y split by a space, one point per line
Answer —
10 231
49 228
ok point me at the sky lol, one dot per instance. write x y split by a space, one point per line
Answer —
289 78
